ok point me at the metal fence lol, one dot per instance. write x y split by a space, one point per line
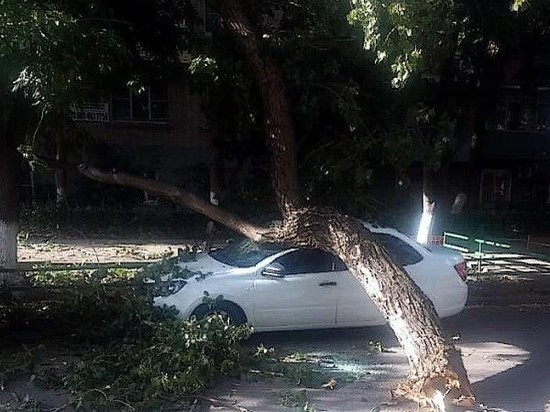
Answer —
475 248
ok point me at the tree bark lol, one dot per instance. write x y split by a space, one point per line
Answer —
471 135
216 173
278 122
60 177
458 203
428 206
435 364
8 208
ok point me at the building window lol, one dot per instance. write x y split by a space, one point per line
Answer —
522 111
496 186
543 109
149 103
515 111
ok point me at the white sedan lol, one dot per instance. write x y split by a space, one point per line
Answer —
274 288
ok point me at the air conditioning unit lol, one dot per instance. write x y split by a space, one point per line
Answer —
91 112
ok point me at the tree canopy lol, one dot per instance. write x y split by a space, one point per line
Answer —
58 52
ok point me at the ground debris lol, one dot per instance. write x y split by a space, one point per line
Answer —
331 384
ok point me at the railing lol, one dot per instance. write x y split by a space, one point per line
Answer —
472 246
447 235
479 254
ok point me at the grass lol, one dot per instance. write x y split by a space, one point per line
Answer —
26 405
14 363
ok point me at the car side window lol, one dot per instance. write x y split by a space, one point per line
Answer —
338 264
307 261
399 251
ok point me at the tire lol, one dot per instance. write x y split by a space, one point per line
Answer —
225 308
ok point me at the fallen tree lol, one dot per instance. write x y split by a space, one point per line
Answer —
436 366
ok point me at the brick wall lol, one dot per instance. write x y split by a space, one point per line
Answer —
183 128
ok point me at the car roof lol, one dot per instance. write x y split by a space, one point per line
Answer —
382 229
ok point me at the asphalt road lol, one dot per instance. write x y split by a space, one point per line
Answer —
506 350
517 378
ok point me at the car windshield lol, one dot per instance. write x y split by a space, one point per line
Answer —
245 253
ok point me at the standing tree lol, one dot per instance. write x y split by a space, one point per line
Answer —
56 53
435 364
458 51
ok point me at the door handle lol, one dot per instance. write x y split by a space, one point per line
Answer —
327 284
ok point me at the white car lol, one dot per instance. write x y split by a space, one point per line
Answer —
274 288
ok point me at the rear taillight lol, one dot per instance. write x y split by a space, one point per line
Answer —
462 270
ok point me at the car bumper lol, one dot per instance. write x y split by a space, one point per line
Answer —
453 302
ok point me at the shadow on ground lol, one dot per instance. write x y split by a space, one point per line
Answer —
506 352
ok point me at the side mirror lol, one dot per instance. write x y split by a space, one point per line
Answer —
274 270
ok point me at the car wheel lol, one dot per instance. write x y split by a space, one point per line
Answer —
233 312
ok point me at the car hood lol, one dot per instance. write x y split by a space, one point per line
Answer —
204 263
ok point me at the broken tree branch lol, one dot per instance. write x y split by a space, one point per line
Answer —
175 194
179 196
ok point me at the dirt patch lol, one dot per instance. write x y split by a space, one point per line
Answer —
79 251
502 289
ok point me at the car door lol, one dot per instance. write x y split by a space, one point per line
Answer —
357 309
304 297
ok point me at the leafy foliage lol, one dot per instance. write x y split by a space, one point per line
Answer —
428 37
59 50
137 355
179 357
57 53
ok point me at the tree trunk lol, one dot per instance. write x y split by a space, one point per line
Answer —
428 206
8 209
434 362
458 203
60 177
278 123
217 185
216 173
470 135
